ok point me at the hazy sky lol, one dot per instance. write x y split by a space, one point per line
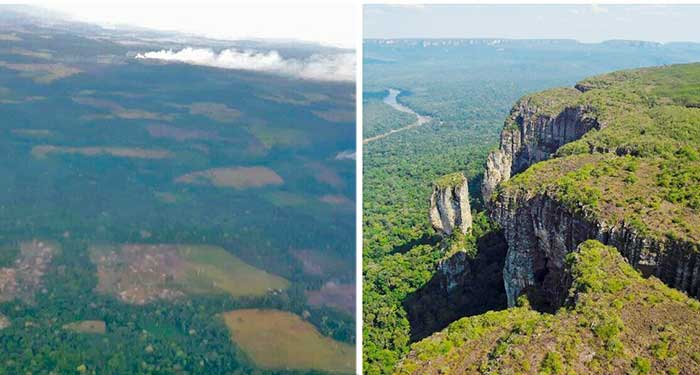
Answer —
309 21
586 23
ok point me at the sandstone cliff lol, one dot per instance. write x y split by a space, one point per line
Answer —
536 127
541 231
449 205
614 322
466 283
592 188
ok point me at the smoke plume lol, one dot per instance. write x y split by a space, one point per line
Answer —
331 67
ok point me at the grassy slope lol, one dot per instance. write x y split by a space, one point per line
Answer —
617 322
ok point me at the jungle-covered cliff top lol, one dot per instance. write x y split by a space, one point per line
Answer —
643 165
615 322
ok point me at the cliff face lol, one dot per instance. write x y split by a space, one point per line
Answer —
594 191
654 331
449 205
588 185
541 231
464 284
532 133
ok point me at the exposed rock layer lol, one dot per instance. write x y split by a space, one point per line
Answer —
532 134
540 231
613 318
449 205
462 286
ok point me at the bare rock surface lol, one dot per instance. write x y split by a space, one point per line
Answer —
449 205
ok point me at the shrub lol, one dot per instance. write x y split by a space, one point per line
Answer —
640 366
552 364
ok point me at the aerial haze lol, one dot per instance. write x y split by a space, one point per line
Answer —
171 202
585 23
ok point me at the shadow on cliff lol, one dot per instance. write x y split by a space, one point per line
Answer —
469 287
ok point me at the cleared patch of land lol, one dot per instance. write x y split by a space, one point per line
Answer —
41 133
29 53
335 295
285 137
9 38
179 134
338 200
325 174
23 278
87 326
43 151
4 322
336 115
318 263
141 273
286 199
117 110
166 197
276 339
297 98
233 177
20 100
214 111
41 73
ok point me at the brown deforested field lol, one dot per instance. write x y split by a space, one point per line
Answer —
276 339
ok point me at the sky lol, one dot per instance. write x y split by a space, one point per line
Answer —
321 22
585 23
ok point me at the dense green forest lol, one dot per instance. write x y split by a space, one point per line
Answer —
467 87
102 149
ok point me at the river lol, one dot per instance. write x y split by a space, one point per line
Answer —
391 100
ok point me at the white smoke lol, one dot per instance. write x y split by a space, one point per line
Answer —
346 155
332 67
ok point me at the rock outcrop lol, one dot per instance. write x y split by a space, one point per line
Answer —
534 131
615 322
540 232
619 192
541 228
449 205
464 284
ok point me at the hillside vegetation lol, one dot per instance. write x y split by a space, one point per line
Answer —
616 322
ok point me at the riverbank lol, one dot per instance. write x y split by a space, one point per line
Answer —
391 100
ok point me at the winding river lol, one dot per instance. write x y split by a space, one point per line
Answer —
390 100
